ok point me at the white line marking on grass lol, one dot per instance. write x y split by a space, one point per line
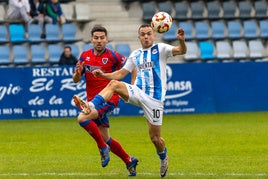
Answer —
218 174
142 173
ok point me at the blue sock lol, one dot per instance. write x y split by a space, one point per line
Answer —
109 141
98 100
162 155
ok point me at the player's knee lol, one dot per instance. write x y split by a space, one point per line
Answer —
155 140
114 84
81 118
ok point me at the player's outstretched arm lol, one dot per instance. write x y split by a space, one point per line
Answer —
181 49
117 75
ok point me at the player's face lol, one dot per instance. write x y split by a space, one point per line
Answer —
67 52
99 41
146 37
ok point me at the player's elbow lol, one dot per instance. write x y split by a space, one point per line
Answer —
114 85
183 51
179 50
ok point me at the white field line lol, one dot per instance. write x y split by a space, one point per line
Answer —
142 174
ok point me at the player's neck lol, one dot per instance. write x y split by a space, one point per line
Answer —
98 52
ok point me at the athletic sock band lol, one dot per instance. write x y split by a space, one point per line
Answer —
84 123
109 141
98 100
162 155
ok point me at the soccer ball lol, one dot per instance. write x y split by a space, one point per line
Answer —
161 22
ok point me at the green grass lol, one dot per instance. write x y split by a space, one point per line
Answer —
199 146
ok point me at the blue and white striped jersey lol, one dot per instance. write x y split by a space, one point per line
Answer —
151 69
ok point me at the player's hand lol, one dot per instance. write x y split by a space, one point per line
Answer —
98 73
78 68
78 72
180 34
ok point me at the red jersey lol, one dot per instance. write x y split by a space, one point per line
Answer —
109 61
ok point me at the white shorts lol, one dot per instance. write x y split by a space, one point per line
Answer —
152 108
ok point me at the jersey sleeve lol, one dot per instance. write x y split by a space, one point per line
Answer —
167 49
82 57
129 65
122 59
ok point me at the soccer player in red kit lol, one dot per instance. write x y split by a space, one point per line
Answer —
96 123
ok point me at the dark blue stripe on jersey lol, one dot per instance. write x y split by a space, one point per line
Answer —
139 81
116 59
156 73
81 59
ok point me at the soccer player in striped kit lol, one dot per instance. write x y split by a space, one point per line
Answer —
149 88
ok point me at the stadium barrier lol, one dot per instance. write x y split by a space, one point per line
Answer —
46 92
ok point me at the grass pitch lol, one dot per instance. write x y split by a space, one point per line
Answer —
199 146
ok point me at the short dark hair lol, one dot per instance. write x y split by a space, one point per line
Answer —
99 28
144 25
69 47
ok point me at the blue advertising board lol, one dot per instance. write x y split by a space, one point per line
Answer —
46 92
